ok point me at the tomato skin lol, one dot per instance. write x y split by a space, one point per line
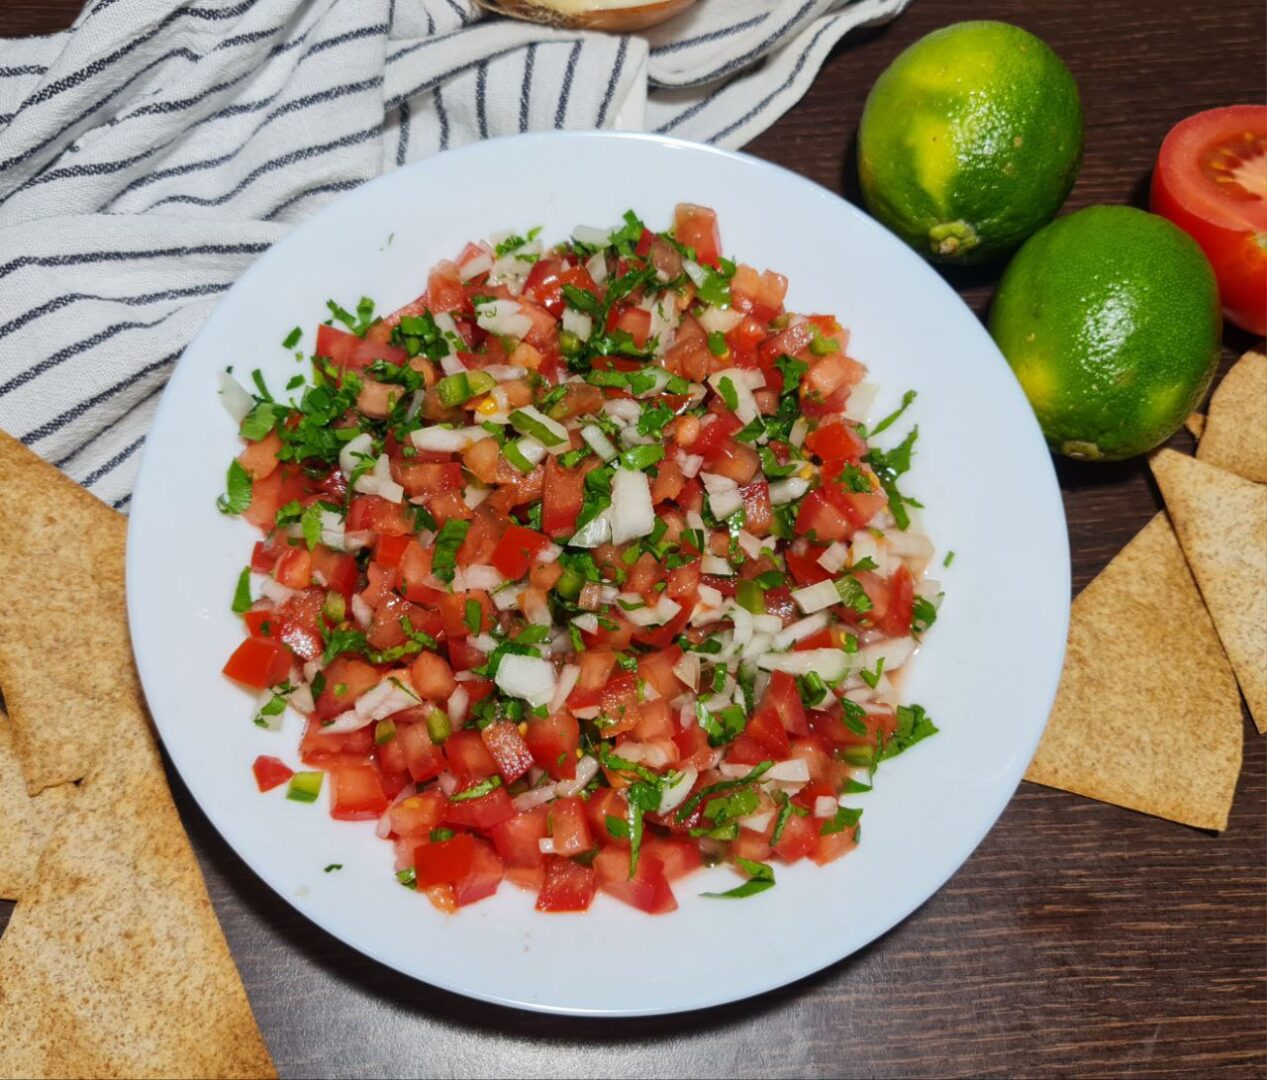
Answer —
270 772
516 550
696 227
516 839
561 498
423 758
482 813
648 890
552 741
468 757
444 862
508 749
259 662
356 793
897 619
567 886
325 751
1231 228
569 826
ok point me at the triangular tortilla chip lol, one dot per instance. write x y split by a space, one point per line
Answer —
1221 521
63 629
25 822
113 963
1147 715
1235 436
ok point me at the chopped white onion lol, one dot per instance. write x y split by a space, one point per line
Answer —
750 544
361 611
578 323
275 591
236 401
457 705
797 631
661 613
792 771
835 557
825 806
378 481
507 598
788 490
709 596
910 545
532 798
695 272
561 442
767 624
745 404
687 669
716 565
672 796
354 451
588 623
754 377
895 652
623 409
725 503
446 440
354 541
568 676
389 696
717 320
586 770
817 597
301 698
861 398
758 646
597 267
742 619
594 532
473 267
536 608
691 464
598 442
527 677
451 364
632 512
830 664
504 317
799 430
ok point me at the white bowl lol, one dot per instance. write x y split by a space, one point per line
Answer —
987 674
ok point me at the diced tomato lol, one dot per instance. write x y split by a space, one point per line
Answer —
693 747
270 772
696 227
432 677
260 458
418 814
570 827
346 680
657 670
326 750
766 728
337 569
453 610
444 289
423 758
517 549
833 845
602 804
444 862
837 441
804 565
568 886
355 793
785 699
468 757
799 839
351 353
389 549
678 855
716 434
552 741
757 509
648 890
562 494
374 514
517 838
259 662
825 521
481 813
596 665
897 619
508 749
636 323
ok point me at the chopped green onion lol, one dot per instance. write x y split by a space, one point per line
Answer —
438 726
305 786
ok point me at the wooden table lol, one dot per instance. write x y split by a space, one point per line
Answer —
1079 938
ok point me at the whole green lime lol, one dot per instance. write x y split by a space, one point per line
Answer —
970 140
1110 320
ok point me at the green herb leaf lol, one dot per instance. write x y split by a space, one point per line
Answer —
242 594
477 791
760 878
292 339
845 818
238 489
448 540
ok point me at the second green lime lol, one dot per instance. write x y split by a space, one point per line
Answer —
970 141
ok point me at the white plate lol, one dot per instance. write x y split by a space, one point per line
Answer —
987 675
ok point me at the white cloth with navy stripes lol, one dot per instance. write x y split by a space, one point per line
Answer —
152 151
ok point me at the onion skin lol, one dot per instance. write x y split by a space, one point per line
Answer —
620 20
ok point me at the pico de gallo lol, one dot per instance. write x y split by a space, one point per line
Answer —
582 571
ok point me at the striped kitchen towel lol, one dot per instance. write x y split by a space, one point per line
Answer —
152 151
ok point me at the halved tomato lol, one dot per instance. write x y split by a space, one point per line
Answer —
1211 181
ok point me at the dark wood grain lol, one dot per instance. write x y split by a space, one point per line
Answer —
1080 938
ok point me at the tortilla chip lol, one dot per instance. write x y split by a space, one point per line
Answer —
113 963
25 823
1147 715
71 650
1221 521
1195 424
1236 422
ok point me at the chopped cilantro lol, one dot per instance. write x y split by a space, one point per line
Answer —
238 489
760 878
242 594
